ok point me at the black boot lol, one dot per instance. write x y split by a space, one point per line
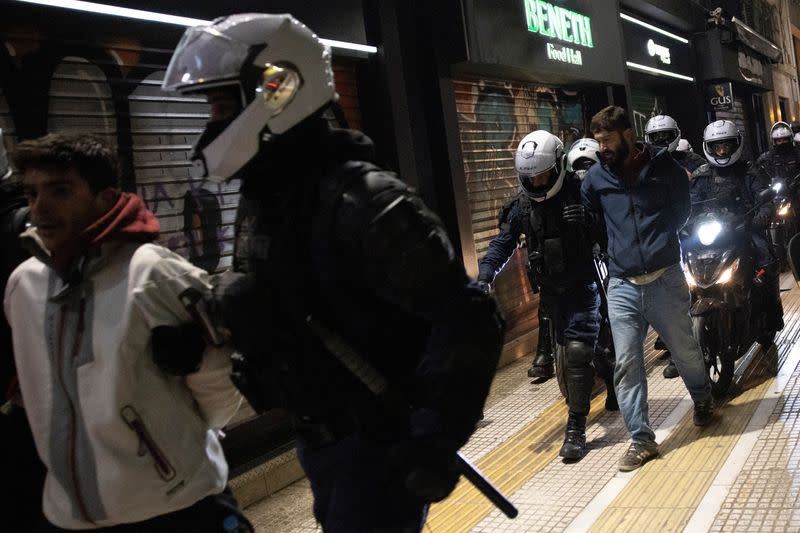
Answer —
574 446
670 371
543 361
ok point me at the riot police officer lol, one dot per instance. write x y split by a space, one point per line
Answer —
782 161
662 131
735 186
333 256
547 211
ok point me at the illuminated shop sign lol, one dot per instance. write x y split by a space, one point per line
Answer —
557 22
656 51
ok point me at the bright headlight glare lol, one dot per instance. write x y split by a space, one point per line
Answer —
777 186
727 274
708 232
783 211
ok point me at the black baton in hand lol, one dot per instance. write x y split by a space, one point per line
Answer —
377 384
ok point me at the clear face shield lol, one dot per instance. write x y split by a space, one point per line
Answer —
204 57
723 149
662 138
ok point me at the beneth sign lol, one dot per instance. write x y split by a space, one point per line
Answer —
562 24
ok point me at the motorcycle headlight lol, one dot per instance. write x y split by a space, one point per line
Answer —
784 210
708 232
727 274
777 186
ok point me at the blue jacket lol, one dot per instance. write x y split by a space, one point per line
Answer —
643 219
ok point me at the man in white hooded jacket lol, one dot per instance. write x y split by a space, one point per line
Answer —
127 427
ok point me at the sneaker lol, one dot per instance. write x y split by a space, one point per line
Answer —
703 412
671 371
637 455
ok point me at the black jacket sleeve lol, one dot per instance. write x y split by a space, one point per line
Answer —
678 190
503 245
406 259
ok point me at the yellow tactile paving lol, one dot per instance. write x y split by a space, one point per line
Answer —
664 494
509 467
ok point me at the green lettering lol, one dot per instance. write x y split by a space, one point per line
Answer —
588 27
565 25
530 16
540 12
576 29
555 26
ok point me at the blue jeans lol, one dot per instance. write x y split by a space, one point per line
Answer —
664 304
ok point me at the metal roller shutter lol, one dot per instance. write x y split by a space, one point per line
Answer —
80 100
7 124
493 116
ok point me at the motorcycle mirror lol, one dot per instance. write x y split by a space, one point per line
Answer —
793 252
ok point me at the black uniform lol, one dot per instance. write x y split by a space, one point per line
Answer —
321 232
736 188
561 265
690 161
783 164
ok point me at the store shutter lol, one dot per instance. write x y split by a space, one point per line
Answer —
493 115
7 124
80 100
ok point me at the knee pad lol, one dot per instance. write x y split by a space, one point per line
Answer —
578 354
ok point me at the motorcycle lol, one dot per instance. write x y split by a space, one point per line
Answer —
728 293
783 226
604 355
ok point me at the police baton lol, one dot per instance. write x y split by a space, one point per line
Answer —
378 386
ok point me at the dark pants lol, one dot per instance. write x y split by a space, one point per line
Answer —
575 311
356 490
205 516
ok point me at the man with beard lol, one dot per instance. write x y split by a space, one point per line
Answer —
643 195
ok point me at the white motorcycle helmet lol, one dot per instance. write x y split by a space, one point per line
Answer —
281 69
782 137
797 138
538 153
722 135
581 156
684 146
662 131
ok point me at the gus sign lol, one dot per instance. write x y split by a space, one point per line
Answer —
720 95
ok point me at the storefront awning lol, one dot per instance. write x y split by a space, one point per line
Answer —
756 41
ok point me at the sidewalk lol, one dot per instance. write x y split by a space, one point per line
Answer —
739 474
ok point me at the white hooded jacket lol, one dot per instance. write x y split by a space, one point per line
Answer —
122 441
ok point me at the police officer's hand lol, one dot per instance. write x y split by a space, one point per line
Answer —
430 471
575 214
485 287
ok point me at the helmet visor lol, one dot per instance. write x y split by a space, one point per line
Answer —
582 163
723 148
662 138
538 185
203 57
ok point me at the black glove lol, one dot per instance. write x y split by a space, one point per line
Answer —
576 214
762 219
485 287
427 467
178 350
